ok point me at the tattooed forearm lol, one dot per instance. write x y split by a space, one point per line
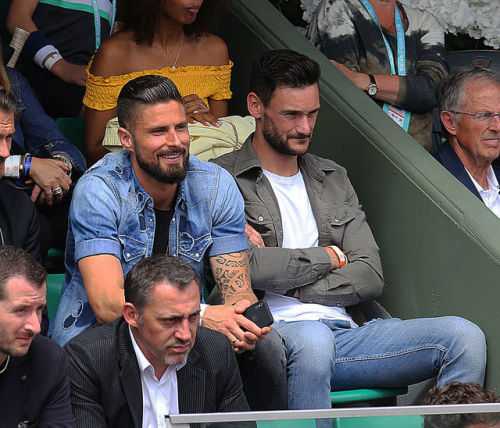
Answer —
231 275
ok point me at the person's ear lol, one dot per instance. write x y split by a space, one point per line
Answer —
449 122
126 139
131 314
254 105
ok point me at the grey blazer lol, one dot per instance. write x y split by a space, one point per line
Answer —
106 386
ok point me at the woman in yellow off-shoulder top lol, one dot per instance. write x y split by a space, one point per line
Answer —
162 37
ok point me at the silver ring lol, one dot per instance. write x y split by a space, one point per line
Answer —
57 191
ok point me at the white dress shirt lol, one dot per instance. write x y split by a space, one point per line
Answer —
490 196
159 397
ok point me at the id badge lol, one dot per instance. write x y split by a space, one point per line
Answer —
401 117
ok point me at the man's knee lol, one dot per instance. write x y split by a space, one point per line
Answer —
467 336
310 345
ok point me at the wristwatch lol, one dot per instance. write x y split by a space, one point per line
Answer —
372 87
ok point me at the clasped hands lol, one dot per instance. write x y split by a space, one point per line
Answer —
228 320
48 175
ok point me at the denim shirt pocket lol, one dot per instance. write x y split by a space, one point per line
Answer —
132 249
193 248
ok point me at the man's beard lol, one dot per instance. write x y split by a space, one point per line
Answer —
174 174
174 359
277 142
10 349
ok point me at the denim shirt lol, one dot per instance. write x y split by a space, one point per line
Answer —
111 213
35 129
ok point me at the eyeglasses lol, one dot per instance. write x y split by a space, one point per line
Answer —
482 116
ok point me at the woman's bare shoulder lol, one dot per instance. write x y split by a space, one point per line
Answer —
113 55
212 50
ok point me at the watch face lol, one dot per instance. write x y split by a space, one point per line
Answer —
372 90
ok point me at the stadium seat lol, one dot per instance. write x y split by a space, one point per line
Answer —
368 394
74 130
54 284
470 59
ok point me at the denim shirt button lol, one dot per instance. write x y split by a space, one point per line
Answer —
151 220
197 255
128 254
173 219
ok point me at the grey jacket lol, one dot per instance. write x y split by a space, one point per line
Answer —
340 220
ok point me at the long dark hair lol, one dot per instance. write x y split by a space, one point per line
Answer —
141 16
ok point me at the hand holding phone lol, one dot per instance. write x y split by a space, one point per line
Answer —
259 313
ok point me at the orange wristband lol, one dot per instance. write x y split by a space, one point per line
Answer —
340 255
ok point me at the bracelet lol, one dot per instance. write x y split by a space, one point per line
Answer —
12 166
51 60
64 159
27 165
340 255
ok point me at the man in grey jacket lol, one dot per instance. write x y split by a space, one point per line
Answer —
313 253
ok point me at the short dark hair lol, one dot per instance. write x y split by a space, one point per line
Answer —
282 67
141 91
460 393
8 103
15 262
148 273
451 93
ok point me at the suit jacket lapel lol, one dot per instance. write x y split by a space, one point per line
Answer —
191 386
453 164
130 378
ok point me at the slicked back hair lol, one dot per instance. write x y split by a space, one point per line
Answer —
143 91
451 93
148 273
15 262
282 67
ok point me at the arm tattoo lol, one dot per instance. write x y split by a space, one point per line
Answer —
231 273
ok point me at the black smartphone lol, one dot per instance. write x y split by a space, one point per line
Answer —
259 313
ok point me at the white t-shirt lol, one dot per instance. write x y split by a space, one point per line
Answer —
491 196
159 397
299 231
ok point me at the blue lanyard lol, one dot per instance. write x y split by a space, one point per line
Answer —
97 21
400 34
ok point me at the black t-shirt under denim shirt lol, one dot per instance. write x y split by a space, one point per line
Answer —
163 219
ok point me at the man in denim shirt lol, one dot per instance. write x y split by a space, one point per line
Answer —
313 253
154 198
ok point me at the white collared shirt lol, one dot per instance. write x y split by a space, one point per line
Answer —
159 397
490 196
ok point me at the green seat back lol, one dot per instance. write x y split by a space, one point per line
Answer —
54 284
407 421
368 394
74 130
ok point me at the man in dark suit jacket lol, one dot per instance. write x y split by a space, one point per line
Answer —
34 385
469 106
109 364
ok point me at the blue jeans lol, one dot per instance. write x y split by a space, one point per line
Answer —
327 355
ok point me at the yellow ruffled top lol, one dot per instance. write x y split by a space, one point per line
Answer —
206 81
